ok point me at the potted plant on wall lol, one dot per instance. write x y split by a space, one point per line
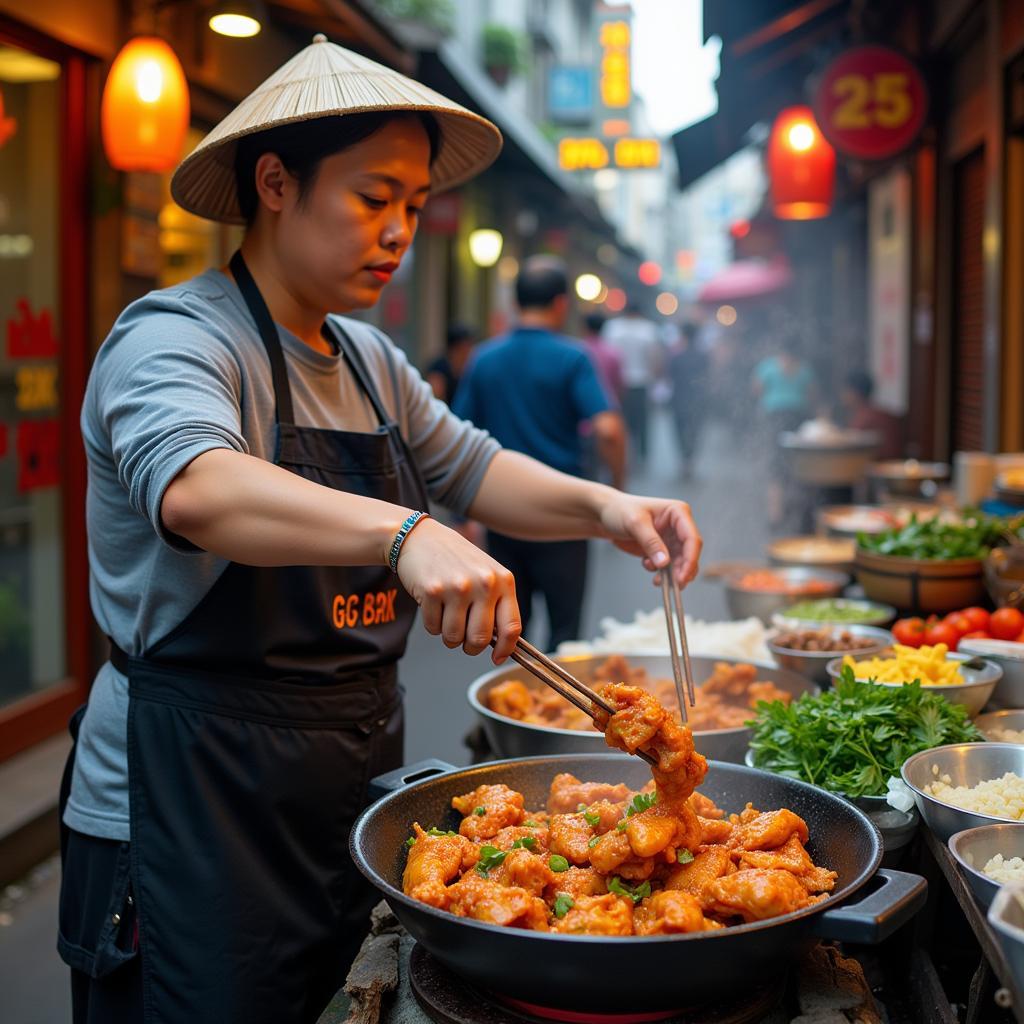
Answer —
502 52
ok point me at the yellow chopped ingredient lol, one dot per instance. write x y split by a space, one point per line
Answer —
929 664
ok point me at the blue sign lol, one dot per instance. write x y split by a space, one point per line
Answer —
571 94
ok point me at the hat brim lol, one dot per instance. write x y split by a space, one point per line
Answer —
205 184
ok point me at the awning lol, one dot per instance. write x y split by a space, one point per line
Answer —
747 279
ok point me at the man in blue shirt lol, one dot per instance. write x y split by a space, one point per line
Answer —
533 390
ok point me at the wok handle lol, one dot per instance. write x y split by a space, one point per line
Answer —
874 918
401 777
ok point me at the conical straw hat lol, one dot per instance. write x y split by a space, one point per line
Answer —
325 80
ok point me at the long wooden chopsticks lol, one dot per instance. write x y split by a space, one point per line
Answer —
565 684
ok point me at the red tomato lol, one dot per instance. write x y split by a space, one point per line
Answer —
960 622
978 616
909 632
1020 639
978 634
1006 624
942 633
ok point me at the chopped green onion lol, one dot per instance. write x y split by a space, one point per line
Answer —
410 842
526 842
641 802
593 842
636 894
592 819
558 863
563 904
683 856
621 827
531 824
580 807
480 811
490 857
438 832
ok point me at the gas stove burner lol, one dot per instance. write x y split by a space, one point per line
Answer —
449 999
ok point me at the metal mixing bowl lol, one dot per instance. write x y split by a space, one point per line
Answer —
1009 693
814 664
509 737
974 692
966 764
975 847
1006 916
1010 718
762 604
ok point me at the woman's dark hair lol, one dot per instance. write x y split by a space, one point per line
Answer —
303 144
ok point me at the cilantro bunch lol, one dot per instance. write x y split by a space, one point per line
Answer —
974 537
853 738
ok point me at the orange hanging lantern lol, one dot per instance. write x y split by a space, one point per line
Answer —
145 107
801 166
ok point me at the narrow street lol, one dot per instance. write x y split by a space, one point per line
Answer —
726 488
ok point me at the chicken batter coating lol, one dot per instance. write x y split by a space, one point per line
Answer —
756 894
488 810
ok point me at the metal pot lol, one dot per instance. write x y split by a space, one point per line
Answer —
511 738
744 603
601 974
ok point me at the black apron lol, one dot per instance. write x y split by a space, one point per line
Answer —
253 730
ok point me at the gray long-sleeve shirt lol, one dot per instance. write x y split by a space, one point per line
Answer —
183 372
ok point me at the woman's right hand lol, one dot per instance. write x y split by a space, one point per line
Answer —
465 595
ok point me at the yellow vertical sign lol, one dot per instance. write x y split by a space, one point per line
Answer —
614 39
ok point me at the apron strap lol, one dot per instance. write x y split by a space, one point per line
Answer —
283 411
355 360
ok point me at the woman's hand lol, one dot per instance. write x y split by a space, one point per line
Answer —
465 595
660 530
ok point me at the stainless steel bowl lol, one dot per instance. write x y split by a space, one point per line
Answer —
908 477
511 738
762 604
975 847
974 692
1006 916
1009 718
1009 692
850 520
839 459
813 664
966 764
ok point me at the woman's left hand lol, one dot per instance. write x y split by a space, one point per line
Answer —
660 530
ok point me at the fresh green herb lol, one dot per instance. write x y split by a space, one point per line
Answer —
683 856
621 827
525 843
593 820
558 863
973 537
580 807
410 842
480 811
438 832
853 738
563 904
490 857
531 824
635 893
641 802
593 842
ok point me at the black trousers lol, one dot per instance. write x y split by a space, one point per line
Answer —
556 569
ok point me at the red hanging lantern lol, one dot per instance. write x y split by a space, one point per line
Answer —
145 108
801 166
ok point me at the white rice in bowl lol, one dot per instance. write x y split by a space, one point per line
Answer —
1000 870
1000 798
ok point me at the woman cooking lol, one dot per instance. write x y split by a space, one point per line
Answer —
259 470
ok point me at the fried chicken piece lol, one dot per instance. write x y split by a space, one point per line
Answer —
525 870
567 793
576 882
485 899
570 835
756 894
748 814
766 691
768 831
432 863
663 829
713 831
818 879
792 857
597 915
694 878
609 852
670 913
705 807
641 722
504 838
513 699
500 807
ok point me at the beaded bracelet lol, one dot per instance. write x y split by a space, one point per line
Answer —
403 531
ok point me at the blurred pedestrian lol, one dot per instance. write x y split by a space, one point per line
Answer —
532 390
688 373
862 414
606 359
444 372
786 392
635 338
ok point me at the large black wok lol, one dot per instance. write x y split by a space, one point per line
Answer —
598 973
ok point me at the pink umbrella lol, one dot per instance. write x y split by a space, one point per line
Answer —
747 279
